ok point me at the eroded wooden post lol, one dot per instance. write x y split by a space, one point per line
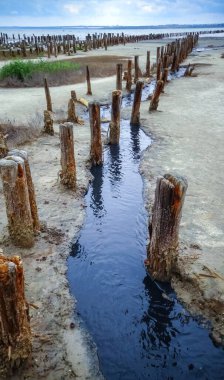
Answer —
129 76
155 97
32 197
119 77
164 227
72 117
147 72
137 69
15 333
48 123
96 150
20 223
3 145
68 172
48 95
89 90
135 115
115 117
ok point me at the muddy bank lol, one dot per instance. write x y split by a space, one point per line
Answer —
188 138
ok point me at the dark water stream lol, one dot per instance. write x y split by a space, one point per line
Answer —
141 330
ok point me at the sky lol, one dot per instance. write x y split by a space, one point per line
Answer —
109 12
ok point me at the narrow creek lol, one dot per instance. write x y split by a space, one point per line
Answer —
140 328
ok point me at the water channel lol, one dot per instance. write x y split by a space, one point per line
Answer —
140 328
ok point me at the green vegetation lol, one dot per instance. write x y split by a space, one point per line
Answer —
25 69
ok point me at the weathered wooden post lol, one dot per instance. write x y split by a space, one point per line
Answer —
15 333
96 150
48 95
157 55
119 77
20 223
155 97
73 95
89 91
129 76
68 172
137 69
164 227
3 145
147 71
135 115
32 197
48 123
115 117
72 117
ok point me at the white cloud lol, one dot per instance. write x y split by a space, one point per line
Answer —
72 8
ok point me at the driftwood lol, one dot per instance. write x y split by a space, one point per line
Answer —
115 117
164 227
68 167
96 150
155 97
135 115
20 222
48 123
32 197
48 95
3 145
83 101
15 333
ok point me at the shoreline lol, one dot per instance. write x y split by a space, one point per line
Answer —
52 248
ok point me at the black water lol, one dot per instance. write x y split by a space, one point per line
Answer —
140 328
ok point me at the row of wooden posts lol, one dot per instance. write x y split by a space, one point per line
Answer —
69 44
21 207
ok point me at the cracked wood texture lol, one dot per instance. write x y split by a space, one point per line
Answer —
15 333
68 172
164 226
20 222
96 150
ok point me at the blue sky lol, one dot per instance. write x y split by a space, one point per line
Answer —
109 12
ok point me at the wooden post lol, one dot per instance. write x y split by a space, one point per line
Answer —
15 333
115 117
32 197
72 117
3 145
119 77
48 95
147 72
89 91
155 97
135 115
129 76
48 123
20 223
157 55
73 95
137 69
164 227
96 150
68 172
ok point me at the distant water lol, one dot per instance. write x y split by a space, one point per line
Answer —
82 31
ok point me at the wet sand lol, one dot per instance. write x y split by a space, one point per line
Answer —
187 137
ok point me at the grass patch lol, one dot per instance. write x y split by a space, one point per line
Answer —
22 70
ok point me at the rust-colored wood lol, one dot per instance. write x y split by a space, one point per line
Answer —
164 226
68 167
15 333
48 95
3 146
115 117
129 76
155 97
89 90
96 150
158 69
31 190
135 115
147 71
20 222
119 76
48 123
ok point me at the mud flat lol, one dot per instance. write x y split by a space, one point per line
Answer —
187 136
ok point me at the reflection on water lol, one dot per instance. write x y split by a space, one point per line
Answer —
141 330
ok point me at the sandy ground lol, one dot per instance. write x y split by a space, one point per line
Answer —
187 136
